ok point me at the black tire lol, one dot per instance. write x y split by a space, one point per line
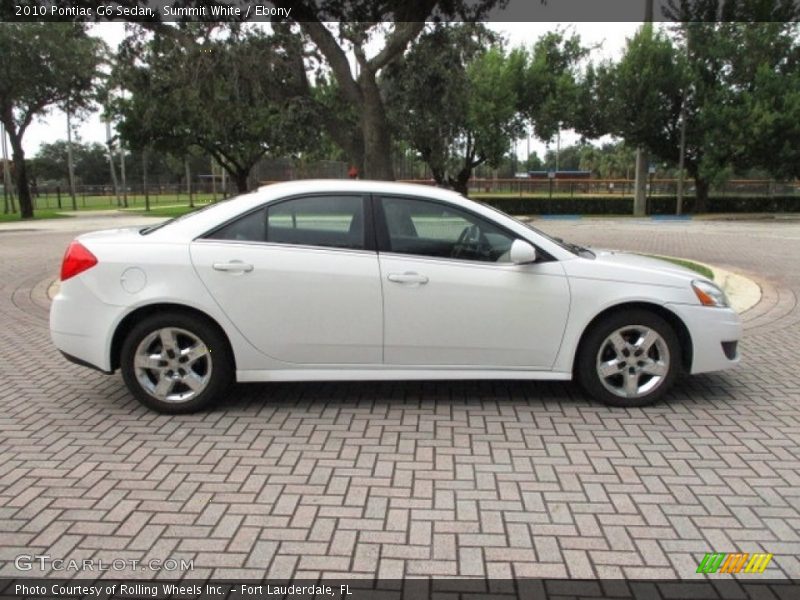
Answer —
215 367
586 367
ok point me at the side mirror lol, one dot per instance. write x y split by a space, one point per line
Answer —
522 253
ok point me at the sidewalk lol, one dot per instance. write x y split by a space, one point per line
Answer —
84 220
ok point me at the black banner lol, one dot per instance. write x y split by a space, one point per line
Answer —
744 588
373 10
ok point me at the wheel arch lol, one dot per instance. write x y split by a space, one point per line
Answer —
674 321
142 312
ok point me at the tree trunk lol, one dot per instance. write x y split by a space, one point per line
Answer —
21 175
375 128
241 181
437 173
347 138
460 183
701 195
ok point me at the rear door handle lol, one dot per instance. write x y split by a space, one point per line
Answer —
234 266
407 277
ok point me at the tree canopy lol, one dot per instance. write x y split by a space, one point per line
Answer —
353 24
731 82
453 99
43 65
232 93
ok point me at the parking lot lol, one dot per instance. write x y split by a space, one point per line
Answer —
392 479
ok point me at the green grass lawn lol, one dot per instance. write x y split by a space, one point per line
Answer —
166 211
50 201
37 215
703 270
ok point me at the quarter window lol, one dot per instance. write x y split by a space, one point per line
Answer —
427 228
249 228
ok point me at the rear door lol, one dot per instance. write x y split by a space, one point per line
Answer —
299 279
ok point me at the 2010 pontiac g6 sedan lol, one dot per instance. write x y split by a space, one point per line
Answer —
360 280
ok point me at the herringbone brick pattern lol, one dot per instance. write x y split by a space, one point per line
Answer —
488 479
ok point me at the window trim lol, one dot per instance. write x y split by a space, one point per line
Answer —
370 243
384 245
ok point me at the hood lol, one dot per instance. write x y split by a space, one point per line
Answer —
612 265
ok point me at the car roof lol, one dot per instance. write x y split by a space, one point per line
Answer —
200 221
197 223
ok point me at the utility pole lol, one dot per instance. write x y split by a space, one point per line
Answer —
528 151
640 187
145 159
188 181
558 145
682 147
70 165
213 181
110 148
681 157
122 174
6 175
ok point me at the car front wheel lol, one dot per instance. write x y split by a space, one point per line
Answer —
630 359
176 363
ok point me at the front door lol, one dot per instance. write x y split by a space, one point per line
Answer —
452 298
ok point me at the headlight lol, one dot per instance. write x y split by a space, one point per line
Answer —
709 294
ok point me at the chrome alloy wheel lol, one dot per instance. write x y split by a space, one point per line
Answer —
172 364
633 361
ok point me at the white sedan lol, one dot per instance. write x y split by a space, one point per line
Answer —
361 280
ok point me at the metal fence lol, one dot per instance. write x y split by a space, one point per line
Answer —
621 188
100 197
203 190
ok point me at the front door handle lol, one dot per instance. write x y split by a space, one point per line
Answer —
408 277
234 266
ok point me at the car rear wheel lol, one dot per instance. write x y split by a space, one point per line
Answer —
176 363
630 358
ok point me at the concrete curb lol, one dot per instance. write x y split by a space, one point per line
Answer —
743 293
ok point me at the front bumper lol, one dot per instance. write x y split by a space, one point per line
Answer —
713 332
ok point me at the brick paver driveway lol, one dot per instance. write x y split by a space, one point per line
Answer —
492 479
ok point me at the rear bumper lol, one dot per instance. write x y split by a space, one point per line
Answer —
715 334
83 363
81 325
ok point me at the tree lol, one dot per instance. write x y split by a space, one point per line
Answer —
609 161
232 93
547 83
754 121
734 83
91 163
452 99
358 23
43 65
753 11
639 98
569 158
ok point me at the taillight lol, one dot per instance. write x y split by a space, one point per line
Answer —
77 259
